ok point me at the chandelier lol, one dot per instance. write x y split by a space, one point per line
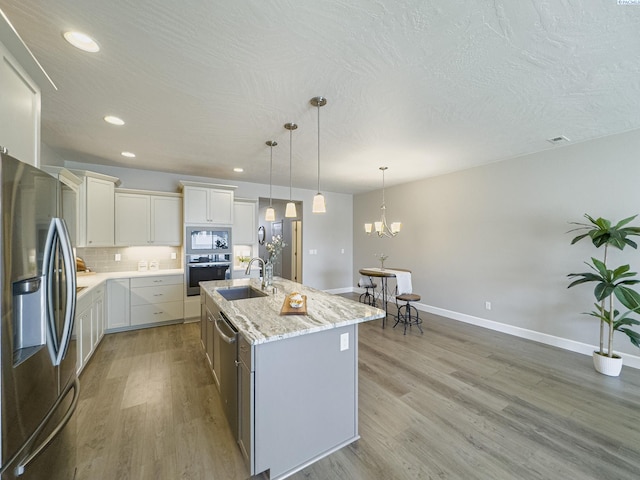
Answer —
381 227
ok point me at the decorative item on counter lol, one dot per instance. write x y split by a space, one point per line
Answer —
274 248
382 257
295 300
294 304
142 266
154 265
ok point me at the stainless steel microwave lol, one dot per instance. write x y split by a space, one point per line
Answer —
204 240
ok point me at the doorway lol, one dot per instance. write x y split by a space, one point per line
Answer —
289 264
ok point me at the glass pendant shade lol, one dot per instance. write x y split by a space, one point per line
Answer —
290 212
270 215
368 227
318 204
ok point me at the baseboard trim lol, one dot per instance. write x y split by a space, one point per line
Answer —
632 361
629 360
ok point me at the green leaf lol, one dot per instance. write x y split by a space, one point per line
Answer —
623 222
628 297
634 337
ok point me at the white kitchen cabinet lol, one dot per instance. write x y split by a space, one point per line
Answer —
208 204
97 316
145 301
166 219
245 222
97 209
133 219
89 324
156 299
19 110
82 326
147 219
118 310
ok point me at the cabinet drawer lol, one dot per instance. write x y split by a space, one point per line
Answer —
161 312
244 353
156 294
157 280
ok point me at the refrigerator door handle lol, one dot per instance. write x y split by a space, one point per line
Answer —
75 385
59 236
70 277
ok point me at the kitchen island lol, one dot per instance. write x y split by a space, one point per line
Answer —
297 375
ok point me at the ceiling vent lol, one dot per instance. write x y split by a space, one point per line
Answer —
558 140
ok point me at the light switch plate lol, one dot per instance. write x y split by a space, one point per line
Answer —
118 257
344 341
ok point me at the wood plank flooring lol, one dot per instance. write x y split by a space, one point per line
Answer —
458 402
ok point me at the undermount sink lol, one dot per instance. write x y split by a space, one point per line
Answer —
241 293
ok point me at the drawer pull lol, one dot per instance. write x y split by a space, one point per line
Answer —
158 294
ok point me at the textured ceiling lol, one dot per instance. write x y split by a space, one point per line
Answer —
424 87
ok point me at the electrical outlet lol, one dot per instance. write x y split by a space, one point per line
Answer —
173 255
342 250
118 257
487 305
344 341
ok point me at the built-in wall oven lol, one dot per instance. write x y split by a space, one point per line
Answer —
202 268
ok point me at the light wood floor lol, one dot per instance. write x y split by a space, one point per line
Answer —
458 402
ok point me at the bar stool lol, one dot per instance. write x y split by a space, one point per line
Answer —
407 313
367 297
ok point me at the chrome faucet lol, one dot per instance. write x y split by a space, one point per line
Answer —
262 270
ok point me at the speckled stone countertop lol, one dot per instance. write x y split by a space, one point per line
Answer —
259 319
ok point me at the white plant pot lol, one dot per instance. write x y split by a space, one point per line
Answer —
607 366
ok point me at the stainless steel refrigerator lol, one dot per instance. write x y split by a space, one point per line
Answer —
39 385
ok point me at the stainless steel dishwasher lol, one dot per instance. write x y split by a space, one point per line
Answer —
228 375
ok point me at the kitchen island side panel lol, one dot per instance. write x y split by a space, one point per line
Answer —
306 399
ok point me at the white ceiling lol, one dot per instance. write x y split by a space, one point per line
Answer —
424 87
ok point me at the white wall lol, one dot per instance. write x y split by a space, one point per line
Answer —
327 233
498 233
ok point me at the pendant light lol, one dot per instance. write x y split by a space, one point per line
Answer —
318 201
270 215
290 211
382 229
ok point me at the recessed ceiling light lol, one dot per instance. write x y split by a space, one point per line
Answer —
113 120
128 154
82 41
558 140
238 170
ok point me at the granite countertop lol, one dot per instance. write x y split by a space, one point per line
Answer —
91 281
259 319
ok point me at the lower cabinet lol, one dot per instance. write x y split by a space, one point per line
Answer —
145 301
89 324
245 401
118 312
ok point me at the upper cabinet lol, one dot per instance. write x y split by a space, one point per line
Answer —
21 78
245 222
19 111
97 209
147 218
208 204
70 186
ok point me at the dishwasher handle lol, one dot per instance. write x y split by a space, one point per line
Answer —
223 335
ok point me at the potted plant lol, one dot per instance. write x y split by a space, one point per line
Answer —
611 284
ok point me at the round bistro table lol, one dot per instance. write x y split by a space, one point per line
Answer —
383 275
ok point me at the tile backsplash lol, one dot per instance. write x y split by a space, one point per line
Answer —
103 259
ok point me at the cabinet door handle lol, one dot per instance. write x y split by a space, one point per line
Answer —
158 294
